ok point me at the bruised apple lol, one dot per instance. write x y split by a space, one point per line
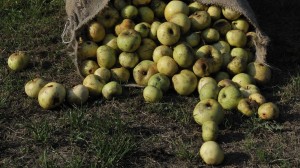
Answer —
51 95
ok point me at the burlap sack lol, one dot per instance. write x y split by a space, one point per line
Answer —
81 12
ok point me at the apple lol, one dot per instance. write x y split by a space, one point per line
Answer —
208 110
249 89
213 55
210 35
51 95
128 60
78 95
201 67
230 14
143 71
159 81
87 49
224 49
124 25
240 24
153 30
129 40
146 14
221 75
140 2
129 12
143 28
229 97
88 67
215 12
103 73
158 7
222 25
258 98
210 131
168 33
239 52
18 61
174 7
260 72
193 39
106 56
111 89
236 38
247 107
182 21
96 31
120 74
268 111
226 82
237 65
209 91
94 84
205 80
120 4
33 87
111 41
211 153
200 20
152 94
167 66
183 54
243 79
108 17
161 51
196 6
185 82
146 49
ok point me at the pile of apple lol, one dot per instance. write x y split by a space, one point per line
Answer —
161 45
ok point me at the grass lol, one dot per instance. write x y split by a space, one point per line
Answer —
126 131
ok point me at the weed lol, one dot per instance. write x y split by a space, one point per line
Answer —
40 131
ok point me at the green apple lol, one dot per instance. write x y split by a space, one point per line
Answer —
183 54
208 110
260 72
129 12
213 55
143 71
249 89
111 89
247 107
103 73
145 14
193 39
229 97
160 81
200 20
268 111
210 131
94 84
239 52
96 31
211 153
205 80
140 2
185 83
158 7
236 38
226 82
243 79
182 21
237 65
143 28
210 35
168 33
106 56
153 30
240 24
108 17
124 25
222 25
201 67
129 40
18 61
196 6
230 14
209 91
146 49
87 49
152 94
33 87
128 59
167 66
224 49
174 7
120 74
78 95
221 75
111 41
88 67
120 4
258 98
161 51
215 12
51 95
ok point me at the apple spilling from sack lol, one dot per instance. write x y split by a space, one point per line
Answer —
163 45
